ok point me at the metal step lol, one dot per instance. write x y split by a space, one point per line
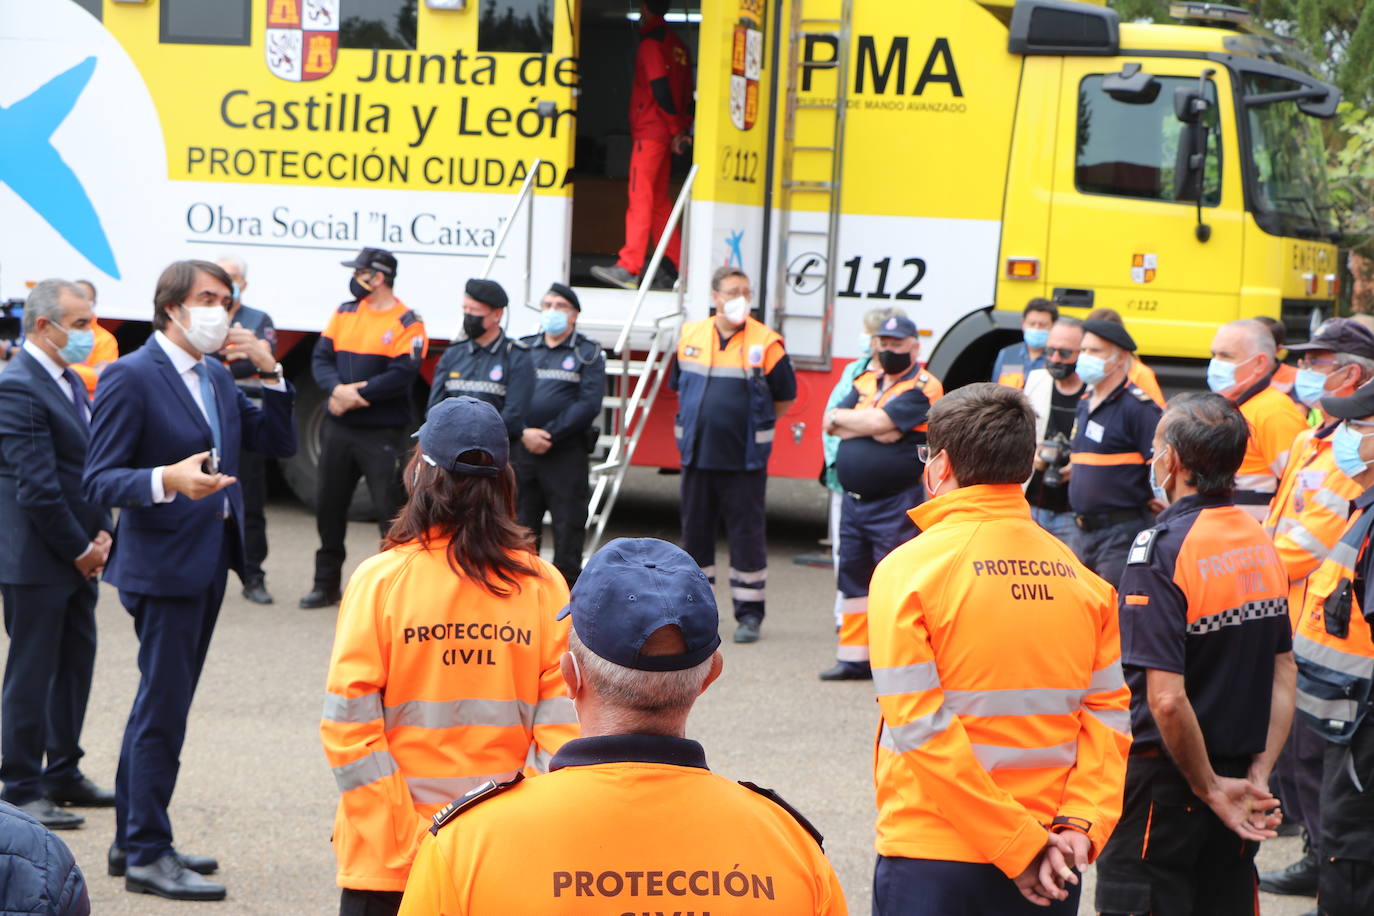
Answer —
617 367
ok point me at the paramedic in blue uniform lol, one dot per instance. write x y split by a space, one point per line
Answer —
1109 489
551 464
486 363
734 381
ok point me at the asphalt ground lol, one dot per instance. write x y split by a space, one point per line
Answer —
255 790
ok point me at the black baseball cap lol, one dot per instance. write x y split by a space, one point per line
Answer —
897 326
566 292
487 292
373 259
464 424
1111 332
632 588
1341 335
1354 406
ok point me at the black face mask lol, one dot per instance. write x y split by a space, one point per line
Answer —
894 363
1060 371
473 326
359 291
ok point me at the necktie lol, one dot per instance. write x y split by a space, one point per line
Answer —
207 397
78 394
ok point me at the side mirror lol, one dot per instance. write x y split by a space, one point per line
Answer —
1132 85
1188 162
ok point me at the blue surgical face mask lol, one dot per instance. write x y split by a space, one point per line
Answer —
1221 375
234 290
1035 338
1309 386
80 343
1345 448
1157 487
553 322
1091 369
865 345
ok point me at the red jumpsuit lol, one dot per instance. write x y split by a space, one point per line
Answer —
660 109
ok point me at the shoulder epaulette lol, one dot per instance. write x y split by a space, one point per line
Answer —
347 307
517 344
410 317
529 340
489 789
777 799
1140 394
592 348
1142 548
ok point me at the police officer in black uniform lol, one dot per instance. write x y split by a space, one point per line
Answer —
485 363
551 458
1109 487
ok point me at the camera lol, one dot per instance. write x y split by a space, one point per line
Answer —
1055 453
11 324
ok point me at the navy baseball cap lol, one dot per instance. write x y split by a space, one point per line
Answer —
897 326
373 259
487 292
464 424
564 291
633 587
1341 335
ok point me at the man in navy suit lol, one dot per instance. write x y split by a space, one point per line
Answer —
168 429
55 545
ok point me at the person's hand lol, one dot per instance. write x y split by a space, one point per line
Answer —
1065 852
1066 472
345 397
680 143
1028 882
537 441
244 344
187 478
1245 808
93 560
829 421
104 539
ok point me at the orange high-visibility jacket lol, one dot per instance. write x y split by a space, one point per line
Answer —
1309 512
1275 422
105 351
648 832
435 686
997 663
1143 377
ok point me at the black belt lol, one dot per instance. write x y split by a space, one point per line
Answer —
874 497
1095 521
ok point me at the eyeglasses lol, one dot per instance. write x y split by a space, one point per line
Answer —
923 453
1306 363
1063 353
1351 424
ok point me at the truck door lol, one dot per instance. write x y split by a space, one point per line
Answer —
1124 230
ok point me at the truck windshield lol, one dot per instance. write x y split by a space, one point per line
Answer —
1287 162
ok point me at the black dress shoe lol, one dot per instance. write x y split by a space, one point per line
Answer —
319 597
848 671
167 877
118 861
51 816
257 593
83 794
748 630
1297 880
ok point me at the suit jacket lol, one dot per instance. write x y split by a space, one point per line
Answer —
45 520
145 417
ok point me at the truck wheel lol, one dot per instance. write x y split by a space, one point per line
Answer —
302 470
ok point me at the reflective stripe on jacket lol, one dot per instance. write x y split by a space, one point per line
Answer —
435 685
979 747
869 395
744 363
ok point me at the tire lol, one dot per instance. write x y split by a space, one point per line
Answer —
302 470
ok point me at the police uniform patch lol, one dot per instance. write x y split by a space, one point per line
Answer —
388 337
495 373
691 351
488 789
756 355
568 363
1142 548
1140 394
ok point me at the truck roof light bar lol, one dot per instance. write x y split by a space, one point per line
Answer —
1196 12
1063 27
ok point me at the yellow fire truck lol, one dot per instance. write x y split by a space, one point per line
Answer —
953 157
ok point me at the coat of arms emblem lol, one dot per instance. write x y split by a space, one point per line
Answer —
302 38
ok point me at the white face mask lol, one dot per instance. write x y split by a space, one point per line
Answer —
736 310
209 327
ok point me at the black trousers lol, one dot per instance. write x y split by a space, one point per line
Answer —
47 683
347 453
369 903
737 498
1104 550
252 477
173 640
1299 774
1170 855
557 481
934 887
1345 881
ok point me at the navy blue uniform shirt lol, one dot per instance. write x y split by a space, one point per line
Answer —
499 373
569 384
1112 446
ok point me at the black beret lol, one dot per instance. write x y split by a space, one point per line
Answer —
566 292
1111 332
487 292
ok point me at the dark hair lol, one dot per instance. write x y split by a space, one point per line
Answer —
988 432
477 514
175 285
1209 435
1276 328
1041 304
1105 314
658 7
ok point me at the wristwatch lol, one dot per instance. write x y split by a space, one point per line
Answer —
273 376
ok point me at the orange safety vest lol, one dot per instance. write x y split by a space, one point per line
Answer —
1143 377
1333 645
602 838
105 351
866 383
981 749
435 686
1275 422
1309 512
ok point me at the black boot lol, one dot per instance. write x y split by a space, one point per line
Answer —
1298 879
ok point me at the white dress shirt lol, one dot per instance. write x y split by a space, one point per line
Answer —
51 367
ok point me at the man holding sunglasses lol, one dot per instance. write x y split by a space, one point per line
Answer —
365 361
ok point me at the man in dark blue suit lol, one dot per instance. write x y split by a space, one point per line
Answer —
55 545
168 429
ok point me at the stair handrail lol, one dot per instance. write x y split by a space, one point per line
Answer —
521 197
